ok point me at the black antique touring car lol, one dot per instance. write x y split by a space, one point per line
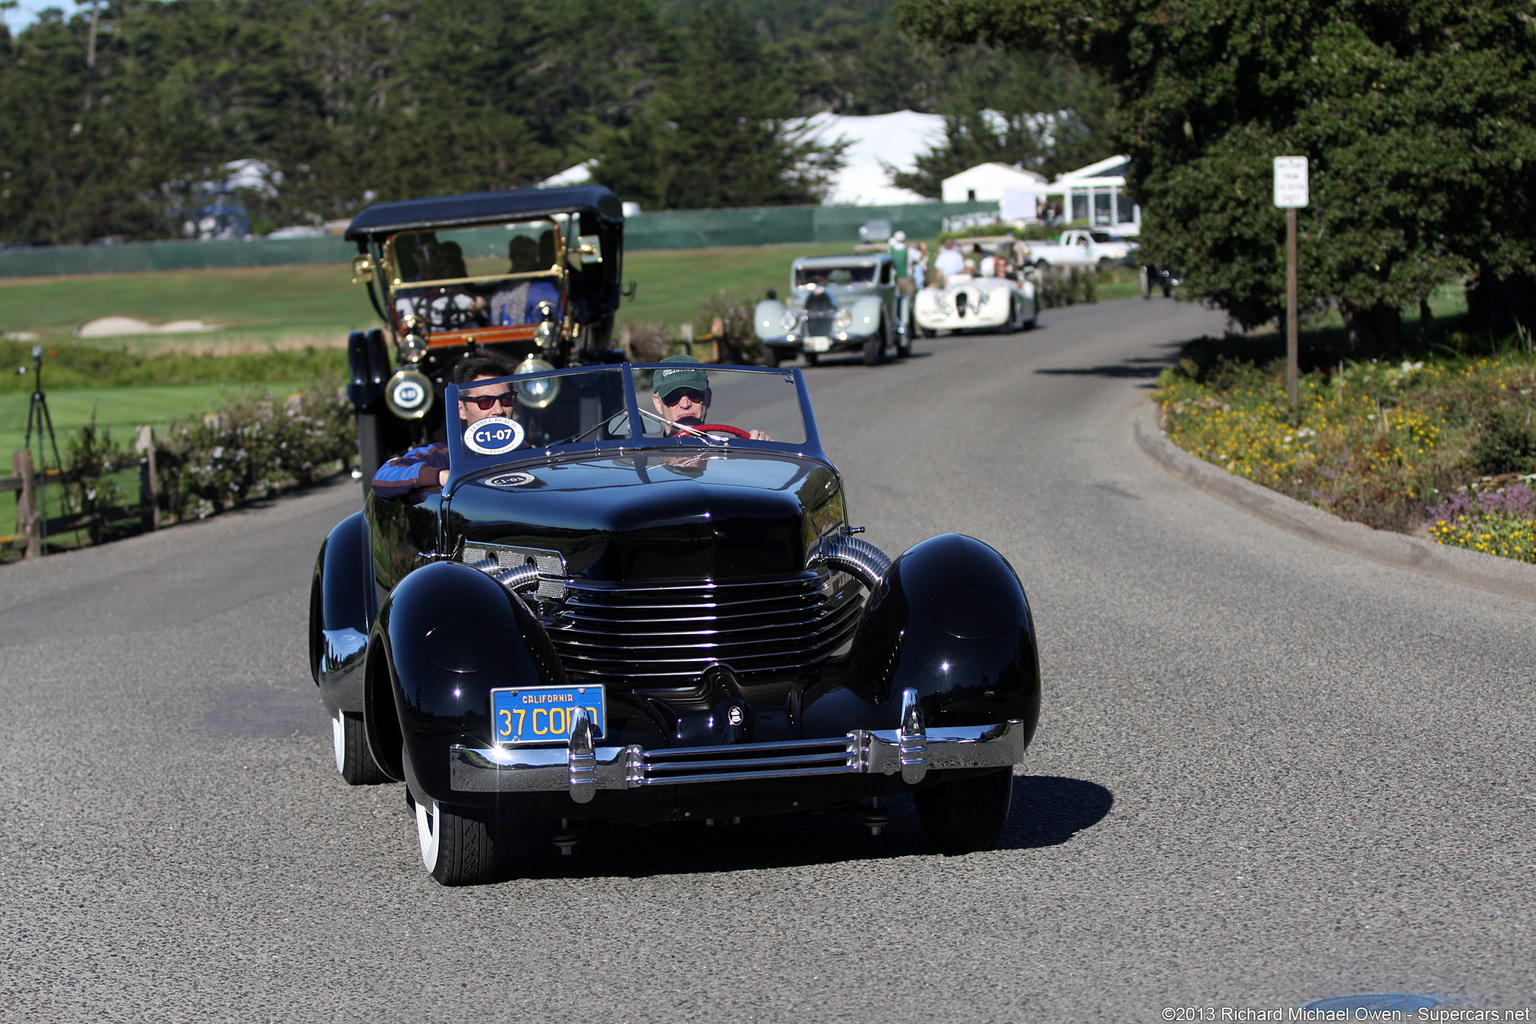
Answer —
604 615
532 274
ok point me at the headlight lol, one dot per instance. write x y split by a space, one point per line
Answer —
539 392
842 320
544 334
788 320
408 394
412 347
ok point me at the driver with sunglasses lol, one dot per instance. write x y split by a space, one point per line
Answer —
681 395
424 469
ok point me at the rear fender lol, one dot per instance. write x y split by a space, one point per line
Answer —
950 620
448 635
340 613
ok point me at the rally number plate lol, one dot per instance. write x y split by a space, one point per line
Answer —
818 344
544 714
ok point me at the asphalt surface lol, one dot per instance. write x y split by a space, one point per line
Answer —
1271 768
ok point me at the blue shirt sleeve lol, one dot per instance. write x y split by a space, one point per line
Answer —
411 475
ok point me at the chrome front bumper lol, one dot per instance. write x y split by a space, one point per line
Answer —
582 769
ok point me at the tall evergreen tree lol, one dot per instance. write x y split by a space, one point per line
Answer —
1418 117
721 131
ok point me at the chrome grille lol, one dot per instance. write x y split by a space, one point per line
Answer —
819 324
665 636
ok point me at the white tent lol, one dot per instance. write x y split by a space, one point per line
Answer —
873 142
989 182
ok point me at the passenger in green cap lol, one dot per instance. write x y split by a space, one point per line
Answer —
681 395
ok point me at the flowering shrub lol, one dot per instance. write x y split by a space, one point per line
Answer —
1377 443
1499 522
252 448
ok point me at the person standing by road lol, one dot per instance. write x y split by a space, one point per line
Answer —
949 261
901 262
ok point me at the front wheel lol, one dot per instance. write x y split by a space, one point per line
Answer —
354 761
968 814
458 844
874 346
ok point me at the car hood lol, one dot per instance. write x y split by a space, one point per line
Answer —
687 514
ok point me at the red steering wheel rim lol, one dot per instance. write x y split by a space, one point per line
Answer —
723 428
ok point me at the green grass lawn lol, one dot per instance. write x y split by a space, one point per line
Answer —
672 284
317 305
255 307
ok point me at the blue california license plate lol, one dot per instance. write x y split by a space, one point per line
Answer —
544 714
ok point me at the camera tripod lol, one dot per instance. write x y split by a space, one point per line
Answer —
41 420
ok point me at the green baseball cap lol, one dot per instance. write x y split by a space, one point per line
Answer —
689 375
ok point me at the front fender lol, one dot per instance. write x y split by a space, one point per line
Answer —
866 313
950 620
767 319
450 634
340 612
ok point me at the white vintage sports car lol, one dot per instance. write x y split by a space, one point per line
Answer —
975 303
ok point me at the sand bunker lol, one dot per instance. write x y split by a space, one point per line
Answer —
112 326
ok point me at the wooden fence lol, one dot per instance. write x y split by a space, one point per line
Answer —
33 530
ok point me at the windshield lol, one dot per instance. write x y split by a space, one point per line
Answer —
688 405
482 276
810 277
443 255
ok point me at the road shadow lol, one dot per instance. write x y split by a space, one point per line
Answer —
1140 368
1046 811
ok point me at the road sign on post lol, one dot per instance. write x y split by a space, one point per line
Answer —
1291 193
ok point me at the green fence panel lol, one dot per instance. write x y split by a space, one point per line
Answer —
676 229
143 256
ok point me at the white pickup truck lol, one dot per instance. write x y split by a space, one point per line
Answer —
1080 248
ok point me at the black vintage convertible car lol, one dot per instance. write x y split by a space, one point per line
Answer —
604 616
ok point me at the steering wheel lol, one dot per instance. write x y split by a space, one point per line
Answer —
438 308
723 428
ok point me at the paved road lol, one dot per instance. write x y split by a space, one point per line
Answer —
1267 771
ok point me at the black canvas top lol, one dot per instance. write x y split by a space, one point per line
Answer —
481 207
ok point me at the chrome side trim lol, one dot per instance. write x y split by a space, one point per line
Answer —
581 769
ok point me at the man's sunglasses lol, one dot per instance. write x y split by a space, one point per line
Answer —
696 397
507 399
